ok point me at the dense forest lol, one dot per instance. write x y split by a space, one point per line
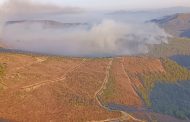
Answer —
174 74
172 99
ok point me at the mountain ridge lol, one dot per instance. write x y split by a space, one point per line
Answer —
47 23
178 25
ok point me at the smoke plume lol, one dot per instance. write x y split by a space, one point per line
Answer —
105 38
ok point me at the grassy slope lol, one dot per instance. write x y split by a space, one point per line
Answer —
118 85
110 92
174 47
2 69
68 94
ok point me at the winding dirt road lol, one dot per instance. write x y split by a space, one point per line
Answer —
38 61
37 85
125 116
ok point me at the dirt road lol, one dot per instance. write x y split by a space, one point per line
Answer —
37 85
125 116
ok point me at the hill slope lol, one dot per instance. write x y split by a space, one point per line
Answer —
44 88
177 25
46 23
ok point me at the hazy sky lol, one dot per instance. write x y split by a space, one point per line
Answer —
117 4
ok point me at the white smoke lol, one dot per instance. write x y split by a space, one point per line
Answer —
27 8
107 38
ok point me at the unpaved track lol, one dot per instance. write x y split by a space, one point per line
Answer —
3 84
125 116
37 85
127 76
100 91
38 61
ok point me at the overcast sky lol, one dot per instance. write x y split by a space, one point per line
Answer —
117 4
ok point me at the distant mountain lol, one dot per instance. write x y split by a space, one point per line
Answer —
46 23
171 10
177 25
146 15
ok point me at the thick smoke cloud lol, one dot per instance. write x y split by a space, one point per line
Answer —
15 8
105 38
27 9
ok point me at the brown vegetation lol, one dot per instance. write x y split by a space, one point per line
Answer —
42 88
69 99
120 88
175 46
